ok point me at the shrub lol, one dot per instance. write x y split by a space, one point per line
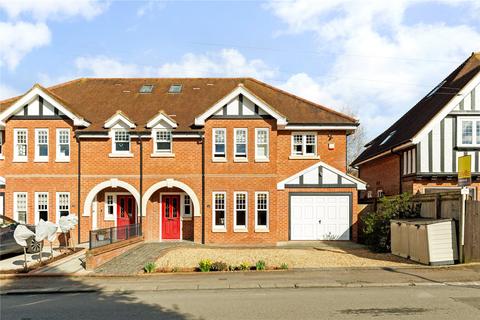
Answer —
376 225
205 265
260 265
150 267
219 266
284 266
244 266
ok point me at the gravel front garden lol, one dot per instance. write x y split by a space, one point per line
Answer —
183 259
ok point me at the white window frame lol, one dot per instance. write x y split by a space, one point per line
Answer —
2 133
214 156
184 205
237 156
259 228
304 144
57 202
240 228
59 156
121 153
106 215
37 213
38 157
475 122
259 158
219 228
157 151
16 157
15 206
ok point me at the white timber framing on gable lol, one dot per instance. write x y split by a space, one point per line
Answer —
321 175
162 120
241 103
119 118
38 102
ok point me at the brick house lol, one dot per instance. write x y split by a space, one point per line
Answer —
230 160
419 152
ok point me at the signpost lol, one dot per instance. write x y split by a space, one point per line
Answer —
464 180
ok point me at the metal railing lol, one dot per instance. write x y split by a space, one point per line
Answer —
102 237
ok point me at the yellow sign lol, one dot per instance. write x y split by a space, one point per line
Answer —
464 170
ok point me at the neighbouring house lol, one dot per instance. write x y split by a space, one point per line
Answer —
419 152
213 160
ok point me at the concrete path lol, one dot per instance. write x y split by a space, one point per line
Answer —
133 261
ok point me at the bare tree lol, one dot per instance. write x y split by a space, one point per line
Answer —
355 141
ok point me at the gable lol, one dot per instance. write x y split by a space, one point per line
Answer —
38 103
321 175
119 121
240 103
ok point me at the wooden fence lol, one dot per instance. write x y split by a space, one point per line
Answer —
471 248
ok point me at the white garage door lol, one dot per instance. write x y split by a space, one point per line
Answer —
320 217
2 201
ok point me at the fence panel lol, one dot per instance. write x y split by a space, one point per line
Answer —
472 231
102 237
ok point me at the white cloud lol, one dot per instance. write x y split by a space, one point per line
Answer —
226 62
380 65
26 28
18 39
7 92
41 10
150 6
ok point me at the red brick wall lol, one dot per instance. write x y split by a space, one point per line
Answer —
382 174
97 166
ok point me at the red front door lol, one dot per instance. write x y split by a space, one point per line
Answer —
125 210
170 217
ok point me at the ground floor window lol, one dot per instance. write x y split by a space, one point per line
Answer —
187 206
63 204
261 210
20 206
219 219
240 210
41 206
110 206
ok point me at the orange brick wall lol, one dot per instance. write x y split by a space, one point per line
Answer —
382 174
97 166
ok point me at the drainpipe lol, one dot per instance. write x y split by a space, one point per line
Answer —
203 189
141 182
79 184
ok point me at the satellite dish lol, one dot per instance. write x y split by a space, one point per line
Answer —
22 234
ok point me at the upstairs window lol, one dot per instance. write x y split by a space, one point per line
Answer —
20 151
241 143
219 143
163 141
121 141
469 131
1 144
304 144
262 144
63 144
41 145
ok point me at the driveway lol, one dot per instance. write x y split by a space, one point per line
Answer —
294 255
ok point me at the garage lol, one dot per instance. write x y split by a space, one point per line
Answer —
320 216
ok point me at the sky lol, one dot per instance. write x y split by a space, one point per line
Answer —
371 58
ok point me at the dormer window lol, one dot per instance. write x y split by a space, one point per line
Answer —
122 141
163 141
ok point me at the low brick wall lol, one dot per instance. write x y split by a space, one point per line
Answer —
98 256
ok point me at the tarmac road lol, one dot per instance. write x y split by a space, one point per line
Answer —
435 302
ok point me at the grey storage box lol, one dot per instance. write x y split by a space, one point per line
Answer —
427 241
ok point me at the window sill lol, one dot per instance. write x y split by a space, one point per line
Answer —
120 155
40 160
62 160
293 157
187 218
20 160
240 159
262 230
219 160
2 157
262 160
219 230
109 219
240 230
162 155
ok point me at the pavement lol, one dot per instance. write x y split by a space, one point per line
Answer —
12 262
465 275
